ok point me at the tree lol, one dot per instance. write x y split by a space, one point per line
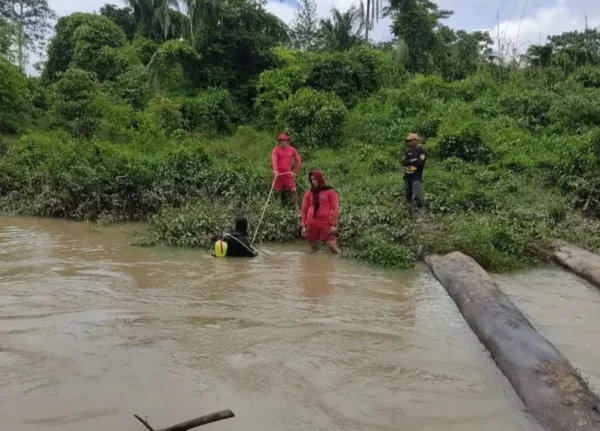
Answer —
199 13
459 53
31 19
235 47
304 28
123 17
342 31
569 50
72 100
371 15
154 17
415 21
14 106
7 39
80 41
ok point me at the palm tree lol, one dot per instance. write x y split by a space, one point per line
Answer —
373 12
198 13
149 13
343 30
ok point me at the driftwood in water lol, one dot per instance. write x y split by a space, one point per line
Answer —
550 388
581 262
194 423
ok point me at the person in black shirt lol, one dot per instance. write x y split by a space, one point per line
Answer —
238 244
414 163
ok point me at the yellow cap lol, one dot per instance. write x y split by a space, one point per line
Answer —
220 248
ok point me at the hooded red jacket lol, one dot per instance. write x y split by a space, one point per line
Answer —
328 203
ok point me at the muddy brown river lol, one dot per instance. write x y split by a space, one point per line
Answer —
93 330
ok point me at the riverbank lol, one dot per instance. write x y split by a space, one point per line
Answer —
188 191
500 184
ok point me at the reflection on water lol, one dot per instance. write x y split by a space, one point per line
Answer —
93 331
566 310
316 275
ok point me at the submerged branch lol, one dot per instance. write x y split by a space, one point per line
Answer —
194 423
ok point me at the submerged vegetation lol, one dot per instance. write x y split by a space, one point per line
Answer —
170 116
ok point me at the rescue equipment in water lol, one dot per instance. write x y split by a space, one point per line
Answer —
220 248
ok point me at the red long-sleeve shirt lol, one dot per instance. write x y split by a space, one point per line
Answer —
282 159
328 208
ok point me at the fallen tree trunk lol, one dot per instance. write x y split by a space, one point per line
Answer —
580 261
550 388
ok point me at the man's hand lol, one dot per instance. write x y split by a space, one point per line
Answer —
304 231
333 230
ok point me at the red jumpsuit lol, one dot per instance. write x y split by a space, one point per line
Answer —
318 226
281 159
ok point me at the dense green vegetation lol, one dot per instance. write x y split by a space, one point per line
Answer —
151 113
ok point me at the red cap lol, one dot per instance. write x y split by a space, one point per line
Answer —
283 137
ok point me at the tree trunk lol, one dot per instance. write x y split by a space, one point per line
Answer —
553 392
368 21
21 39
581 262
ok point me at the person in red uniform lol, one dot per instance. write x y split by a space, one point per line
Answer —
282 157
320 209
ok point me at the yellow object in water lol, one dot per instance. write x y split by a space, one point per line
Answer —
220 248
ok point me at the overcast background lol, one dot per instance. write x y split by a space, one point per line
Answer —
521 21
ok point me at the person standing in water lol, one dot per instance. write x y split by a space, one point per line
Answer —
414 163
235 243
320 209
284 178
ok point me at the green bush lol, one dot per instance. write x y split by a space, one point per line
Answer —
531 108
589 77
72 102
14 91
211 111
351 75
164 114
467 146
274 87
91 39
113 62
132 87
314 118
574 111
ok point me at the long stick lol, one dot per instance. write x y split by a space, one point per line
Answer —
194 423
146 424
202 420
264 209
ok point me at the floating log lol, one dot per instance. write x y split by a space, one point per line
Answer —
580 261
551 389
194 423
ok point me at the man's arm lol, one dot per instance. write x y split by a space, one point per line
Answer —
248 251
335 206
297 161
419 161
305 206
406 160
274 159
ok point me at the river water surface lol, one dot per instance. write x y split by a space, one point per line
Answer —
93 330
565 310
